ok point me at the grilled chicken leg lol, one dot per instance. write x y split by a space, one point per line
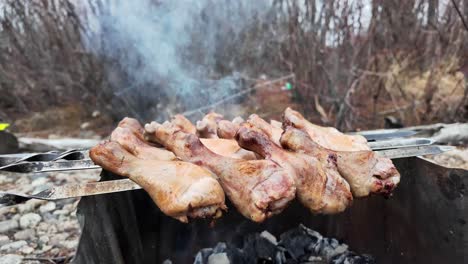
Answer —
276 124
258 188
223 147
207 127
227 129
213 126
180 189
274 133
133 125
185 124
227 148
133 143
327 137
319 185
364 170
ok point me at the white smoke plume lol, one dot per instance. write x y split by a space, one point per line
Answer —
169 50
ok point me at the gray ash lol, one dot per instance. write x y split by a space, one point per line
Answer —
299 245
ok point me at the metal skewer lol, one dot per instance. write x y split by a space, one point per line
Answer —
376 135
70 191
414 151
404 146
400 143
95 188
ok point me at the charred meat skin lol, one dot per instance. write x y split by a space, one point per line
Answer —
319 186
258 188
181 190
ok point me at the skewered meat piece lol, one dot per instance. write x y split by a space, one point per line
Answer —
223 147
274 133
238 120
207 127
319 185
181 190
129 134
227 129
227 148
223 128
364 170
258 188
276 124
133 125
185 124
327 137
214 126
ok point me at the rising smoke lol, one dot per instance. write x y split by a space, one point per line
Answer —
170 54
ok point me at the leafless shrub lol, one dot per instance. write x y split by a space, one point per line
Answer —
356 61
42 59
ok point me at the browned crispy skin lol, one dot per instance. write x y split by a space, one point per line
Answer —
258 188
181 190
207 127
327 137
129 134
364 170
319 185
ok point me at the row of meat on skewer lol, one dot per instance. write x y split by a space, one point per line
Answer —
261 167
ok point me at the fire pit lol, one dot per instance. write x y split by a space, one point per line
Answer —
423 222
125 225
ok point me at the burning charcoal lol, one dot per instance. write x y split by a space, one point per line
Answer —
258 249
316 260
218 258
220 247
202 256
297 242
311 232
280 258
352 258
269 236
297 246
235 255
330 247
